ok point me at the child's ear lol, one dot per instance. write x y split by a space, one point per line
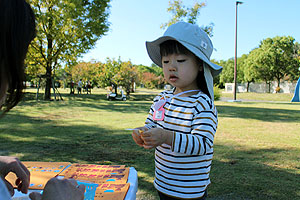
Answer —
200 68
200 64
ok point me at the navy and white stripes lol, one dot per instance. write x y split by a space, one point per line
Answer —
182 169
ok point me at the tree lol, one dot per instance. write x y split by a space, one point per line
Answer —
109 69
278 54
251 72
274 59
227 73
242 68
87 71
189 14
151 77
295 74
65 30
126 76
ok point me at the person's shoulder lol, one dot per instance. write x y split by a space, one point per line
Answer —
165 93
203 101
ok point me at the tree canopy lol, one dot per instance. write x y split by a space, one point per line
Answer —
274 59
180 12
65 30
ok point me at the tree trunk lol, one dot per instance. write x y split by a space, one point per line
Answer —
269 86
48 83
248 85
116 88
277 90
132 86
49 62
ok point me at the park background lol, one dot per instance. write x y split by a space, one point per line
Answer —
256 144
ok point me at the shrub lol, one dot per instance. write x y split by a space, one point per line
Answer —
277 90
217 93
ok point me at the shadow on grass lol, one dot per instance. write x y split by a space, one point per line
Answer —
136 104
262 114
131 97
45 140
246 174
236 174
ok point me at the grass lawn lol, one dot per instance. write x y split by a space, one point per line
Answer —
257 152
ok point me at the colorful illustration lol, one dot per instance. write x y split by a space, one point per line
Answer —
111 179
111 191
97 173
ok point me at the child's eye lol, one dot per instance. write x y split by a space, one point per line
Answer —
181 60
165 61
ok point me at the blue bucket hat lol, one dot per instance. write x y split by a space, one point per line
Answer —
195 40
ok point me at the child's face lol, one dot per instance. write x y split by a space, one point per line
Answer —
181 71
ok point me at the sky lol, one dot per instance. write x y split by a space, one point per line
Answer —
132 22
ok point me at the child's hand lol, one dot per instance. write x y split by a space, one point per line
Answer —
155 137
136 135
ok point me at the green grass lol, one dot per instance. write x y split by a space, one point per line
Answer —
250 96
257 153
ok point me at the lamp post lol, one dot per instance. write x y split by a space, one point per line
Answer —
235 51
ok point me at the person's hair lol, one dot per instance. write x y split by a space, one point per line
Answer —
17 24
173 47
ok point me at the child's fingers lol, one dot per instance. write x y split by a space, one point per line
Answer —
137 140
143 129
147 146
140 131
148 141
135 137
146 134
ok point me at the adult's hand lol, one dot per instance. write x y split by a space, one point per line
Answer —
57 189
12 164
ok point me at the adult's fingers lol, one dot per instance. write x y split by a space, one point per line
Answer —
73 181
35 196
22 173
81 188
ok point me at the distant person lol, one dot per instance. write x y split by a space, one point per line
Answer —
17 24
79 86
181 124
72 87
88 87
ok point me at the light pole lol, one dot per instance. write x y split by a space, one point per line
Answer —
235 51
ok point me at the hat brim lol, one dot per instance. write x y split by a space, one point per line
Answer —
153 49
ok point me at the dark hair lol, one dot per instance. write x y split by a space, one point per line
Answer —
17 24
173 47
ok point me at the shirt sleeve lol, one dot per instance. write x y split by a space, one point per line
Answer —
200 141
4 194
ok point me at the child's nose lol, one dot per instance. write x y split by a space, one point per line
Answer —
173 66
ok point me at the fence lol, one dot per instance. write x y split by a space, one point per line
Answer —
285 87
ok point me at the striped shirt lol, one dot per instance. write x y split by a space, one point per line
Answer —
182 169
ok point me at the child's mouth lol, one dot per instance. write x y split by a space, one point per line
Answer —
173 78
